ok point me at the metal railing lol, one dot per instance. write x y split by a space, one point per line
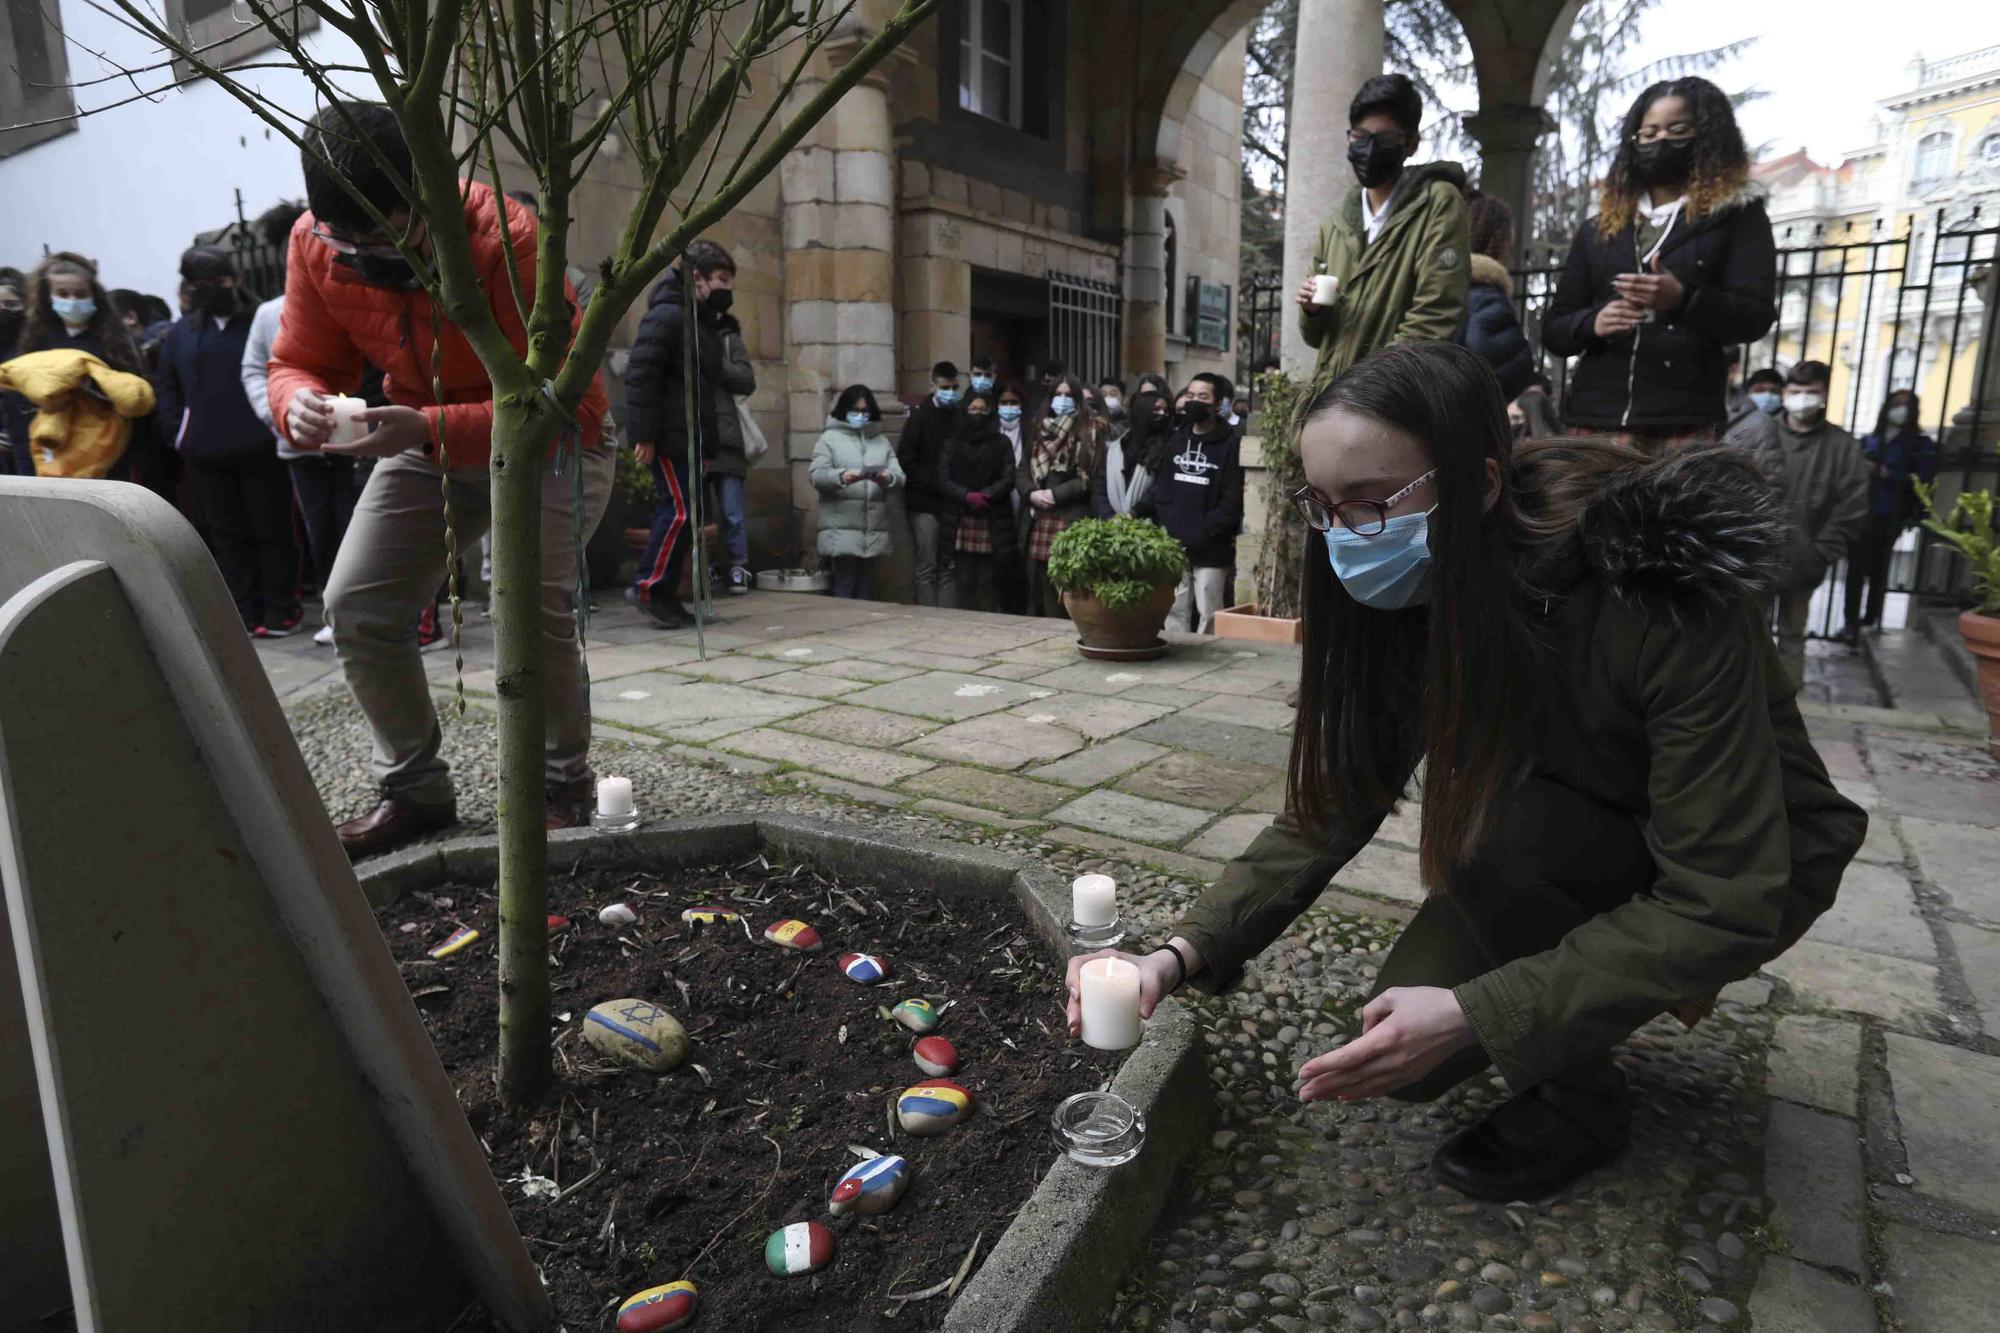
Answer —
1260 330
1085 319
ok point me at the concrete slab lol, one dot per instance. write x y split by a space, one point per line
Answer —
688 710
1876 910
853 762
1099 763
1941 1283
1093 678
1252 745
1267 800
735 668
1132 817
1957 784
1831 976
1963 860
1812 1171
860 726
951 696
1174 698
1014 670
1792 1297
997 742
1228 836
853 791
1199 869
1979 963
1092 715
607 663
972 814
1203 780
988 790
1882 846
1386 872
860 668
926 661
1247 710
1948 1103
800 651
1842 758
1860 791
808 685
1814 1062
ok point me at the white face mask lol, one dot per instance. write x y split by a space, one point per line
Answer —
1899 415
1804 406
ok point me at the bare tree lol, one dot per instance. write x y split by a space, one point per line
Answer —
557 86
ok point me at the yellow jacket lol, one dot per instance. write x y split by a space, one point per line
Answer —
79 428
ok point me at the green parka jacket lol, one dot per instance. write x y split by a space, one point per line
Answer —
1663 699
1408 285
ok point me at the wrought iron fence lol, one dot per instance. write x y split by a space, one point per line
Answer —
1886 308
1260 329
260 267
1085 317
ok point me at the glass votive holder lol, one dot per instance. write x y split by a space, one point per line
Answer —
1097 937
619 823
1099 1129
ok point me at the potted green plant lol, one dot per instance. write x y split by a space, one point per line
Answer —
1117 579
1969 528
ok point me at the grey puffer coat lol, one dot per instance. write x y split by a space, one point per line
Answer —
854 517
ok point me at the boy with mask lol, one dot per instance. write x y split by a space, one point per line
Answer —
352 299
1197 496
920 450
1821 479
982 373
1396 246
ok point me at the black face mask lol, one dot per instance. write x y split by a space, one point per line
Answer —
391 271
215 300
10 331
718 301
1375 161
1197 411
1663 161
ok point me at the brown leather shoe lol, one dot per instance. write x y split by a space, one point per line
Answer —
392 824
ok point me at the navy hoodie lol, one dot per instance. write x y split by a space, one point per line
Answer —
1197 494
199 387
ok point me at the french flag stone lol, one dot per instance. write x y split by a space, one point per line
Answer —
657 1309
798 1247
935 1056
932 1107
870 1187
792 935
865 968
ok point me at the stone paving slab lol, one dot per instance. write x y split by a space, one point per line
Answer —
803 651
1205 781
1948 1103
1831 976
809 684
860 726
1876 910
1841 757
1095 716
857 668
853 762
737 669
1952 783
1228 836
1132 817
1882 846
1792 1297
1100 763
1814 1062
951 696
1251 745
971 814
1196 868
997 742
1247 711
689 710
1978 952
626 659
1013 670
1942 1284
1386 872
1961 859
926 660
1267 800
998 792
1813 1173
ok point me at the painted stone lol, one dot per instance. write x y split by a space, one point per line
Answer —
792 935
798 1247
709 916
870 1187
457 940
637 1033
865 968
935 1056
616 914
932 1107
557 924
657 1309
916 1015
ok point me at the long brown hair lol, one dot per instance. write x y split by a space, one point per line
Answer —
1451 683
43 329
1721 163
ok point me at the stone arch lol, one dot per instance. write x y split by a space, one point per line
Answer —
1177 62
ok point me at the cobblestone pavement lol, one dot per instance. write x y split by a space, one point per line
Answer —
1817 1155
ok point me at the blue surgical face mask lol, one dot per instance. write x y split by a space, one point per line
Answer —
1010 411
1389 570
1767 401
74 311
983 383
1062 404
946 397
858 420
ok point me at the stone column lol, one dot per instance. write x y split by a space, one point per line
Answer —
1507 135
1146 267
1339 46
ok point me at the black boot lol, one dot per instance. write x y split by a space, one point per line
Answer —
1539 1141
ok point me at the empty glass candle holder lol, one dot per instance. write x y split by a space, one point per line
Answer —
1099 1129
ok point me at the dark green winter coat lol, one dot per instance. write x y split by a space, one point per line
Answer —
1407 285
1664 699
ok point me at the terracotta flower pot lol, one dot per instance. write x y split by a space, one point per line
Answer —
1120 634
1247 622
1982 637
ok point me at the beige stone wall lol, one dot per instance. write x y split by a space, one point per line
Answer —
1205 204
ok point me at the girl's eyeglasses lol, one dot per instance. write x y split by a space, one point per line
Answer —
1363 518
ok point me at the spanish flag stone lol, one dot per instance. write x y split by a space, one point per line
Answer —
935 1056
932 1107
657 1309
709 916
792 935
799 1247
916 1015
865 968
870 1187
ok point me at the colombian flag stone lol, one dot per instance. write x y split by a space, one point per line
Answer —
871 1187
800 1247
865 968
792 935
932 1107
657 1309
709 916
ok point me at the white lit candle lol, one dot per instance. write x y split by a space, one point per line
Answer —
347 425
1326 288
1093 900
614 796
1110 1003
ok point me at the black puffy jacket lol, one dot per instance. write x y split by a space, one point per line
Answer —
1491 328
1672 372
655 384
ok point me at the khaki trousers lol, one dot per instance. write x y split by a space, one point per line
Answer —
391 565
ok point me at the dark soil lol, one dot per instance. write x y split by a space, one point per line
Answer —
697 1167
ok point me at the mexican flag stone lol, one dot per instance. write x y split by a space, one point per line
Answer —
657 1309
799 1247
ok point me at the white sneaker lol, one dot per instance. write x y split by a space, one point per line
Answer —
325 636
739 581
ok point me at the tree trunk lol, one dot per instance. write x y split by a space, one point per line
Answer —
520 436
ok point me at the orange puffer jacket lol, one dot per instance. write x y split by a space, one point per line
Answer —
334 322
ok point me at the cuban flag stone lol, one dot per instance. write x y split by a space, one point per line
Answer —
865 968
792 935
870 1187
932 1107
916 1015
798 1247
657 1309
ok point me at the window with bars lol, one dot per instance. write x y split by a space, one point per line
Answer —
35 101
990 59
1085 324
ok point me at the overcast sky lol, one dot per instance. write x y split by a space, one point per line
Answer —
1823 66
